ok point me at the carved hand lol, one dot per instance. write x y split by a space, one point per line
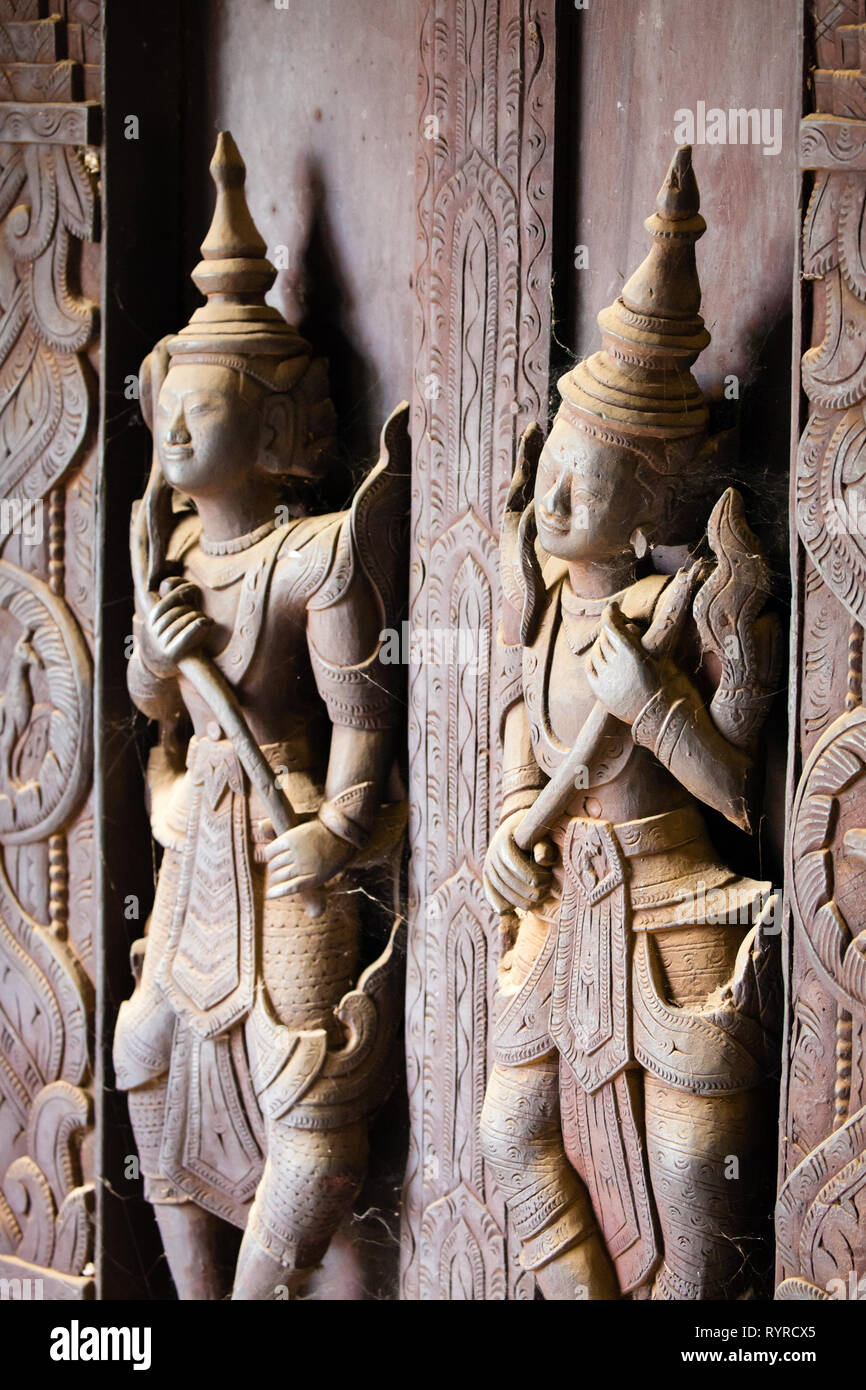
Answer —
306 856
621 674
513 879
175 625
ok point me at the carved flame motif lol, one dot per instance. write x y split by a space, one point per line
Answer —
821 1211
826 851
45 742
47 207
483 269
46 198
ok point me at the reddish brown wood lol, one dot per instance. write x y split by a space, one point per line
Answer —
48 612
254 1047
821 1214
655 60
625 1117
483 267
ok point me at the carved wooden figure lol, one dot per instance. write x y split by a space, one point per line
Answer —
251 1056
631 1043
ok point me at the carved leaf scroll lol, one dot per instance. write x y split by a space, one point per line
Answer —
48 208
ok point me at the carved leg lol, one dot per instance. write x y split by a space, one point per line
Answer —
706 1155
310 1181
197 1250
198 1245
522 1141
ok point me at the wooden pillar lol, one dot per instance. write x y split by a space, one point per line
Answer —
821 1214
484 194
49 948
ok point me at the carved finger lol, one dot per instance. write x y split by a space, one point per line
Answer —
189 637
520 877
180 643
174 623
608 644
503 889
183 593
545 853
293 885
284 872
283 862
169 585
520 867
496 901
517 894
278 846
511 855
173 582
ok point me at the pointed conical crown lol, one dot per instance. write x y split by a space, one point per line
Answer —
236 327
641 381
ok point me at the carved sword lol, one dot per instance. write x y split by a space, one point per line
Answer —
553 799
214 689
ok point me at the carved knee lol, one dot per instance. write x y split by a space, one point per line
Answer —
522 1141
309 1183
520 1116
706 1164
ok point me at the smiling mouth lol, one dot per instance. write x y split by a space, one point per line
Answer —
554 523
175 453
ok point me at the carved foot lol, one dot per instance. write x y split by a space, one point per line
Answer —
197 1247
260 1277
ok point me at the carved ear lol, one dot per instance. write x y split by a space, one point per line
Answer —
152 374
151 525
519 569
522 487
279 433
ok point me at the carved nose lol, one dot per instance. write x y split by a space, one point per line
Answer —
557 500
177 434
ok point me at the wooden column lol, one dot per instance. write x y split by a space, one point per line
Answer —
482 284
821 1214
49 288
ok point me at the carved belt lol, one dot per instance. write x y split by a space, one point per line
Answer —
591 1023
588 935
208 970
590 1005
594 993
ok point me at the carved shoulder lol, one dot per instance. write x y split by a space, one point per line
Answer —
360 597
184 536
309 556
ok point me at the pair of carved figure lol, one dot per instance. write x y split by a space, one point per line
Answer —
630 1037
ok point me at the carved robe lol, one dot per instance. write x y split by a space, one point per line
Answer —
246 1018
641 969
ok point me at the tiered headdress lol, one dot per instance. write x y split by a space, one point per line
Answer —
236 327
638 391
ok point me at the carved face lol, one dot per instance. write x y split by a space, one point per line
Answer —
587 498
207 429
